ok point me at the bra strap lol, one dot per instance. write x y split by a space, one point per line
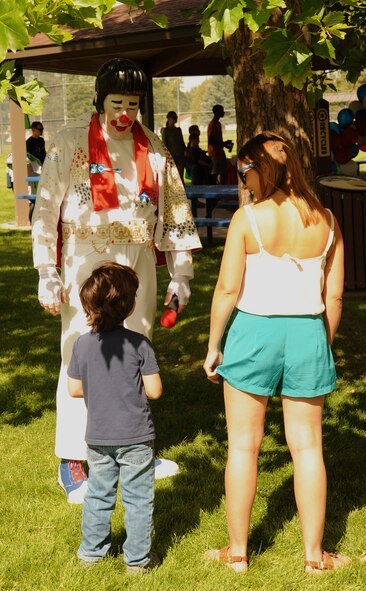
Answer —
331 234
253 225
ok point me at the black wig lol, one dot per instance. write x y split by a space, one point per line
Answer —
120 76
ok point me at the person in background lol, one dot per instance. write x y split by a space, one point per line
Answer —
116 371
109 191
216 145
198 164
35 143
282 272
194 129
173 140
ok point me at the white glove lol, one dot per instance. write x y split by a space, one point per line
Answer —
50 287
179 285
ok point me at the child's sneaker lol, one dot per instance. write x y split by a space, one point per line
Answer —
143 570
74 481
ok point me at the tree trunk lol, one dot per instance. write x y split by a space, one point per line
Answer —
265 103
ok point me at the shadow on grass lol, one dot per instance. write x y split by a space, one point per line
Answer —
345 465
349 345
344 451
191 405
29 345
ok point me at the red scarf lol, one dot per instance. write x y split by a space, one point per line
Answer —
103 186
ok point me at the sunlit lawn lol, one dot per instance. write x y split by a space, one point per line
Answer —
40 532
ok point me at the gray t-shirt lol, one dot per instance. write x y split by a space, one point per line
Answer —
110 365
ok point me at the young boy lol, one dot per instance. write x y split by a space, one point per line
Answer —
115 369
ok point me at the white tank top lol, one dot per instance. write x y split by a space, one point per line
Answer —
282 286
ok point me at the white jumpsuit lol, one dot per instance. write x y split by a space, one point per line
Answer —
125 235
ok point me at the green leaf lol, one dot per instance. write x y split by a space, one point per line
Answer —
287 16
231 19
55 33
312 20
255 20
272 4
149 5
30 96
13 31
5 86
286 58
211 31
333 18
220 16
160 19
141 4
338 32
7 70
310 9
325 49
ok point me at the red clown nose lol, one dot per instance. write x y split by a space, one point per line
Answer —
169 317
124 119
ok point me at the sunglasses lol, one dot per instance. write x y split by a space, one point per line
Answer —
242 172
39 128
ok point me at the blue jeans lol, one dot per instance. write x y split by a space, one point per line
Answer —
135 466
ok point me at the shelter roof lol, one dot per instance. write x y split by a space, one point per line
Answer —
175 51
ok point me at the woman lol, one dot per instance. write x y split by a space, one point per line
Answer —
282 269
173 139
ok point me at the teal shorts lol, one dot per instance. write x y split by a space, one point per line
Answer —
287 355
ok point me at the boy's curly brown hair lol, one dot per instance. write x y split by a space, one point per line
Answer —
108 296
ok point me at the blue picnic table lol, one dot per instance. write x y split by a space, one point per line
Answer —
212 197
30 196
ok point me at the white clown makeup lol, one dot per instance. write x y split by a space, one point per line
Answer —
120 113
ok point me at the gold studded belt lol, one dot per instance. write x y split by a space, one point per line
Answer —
101 236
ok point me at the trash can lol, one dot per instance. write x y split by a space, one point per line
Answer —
345 196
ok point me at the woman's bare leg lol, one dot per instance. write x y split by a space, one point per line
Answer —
303 427
245 424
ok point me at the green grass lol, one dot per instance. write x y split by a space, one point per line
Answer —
6 195
40 532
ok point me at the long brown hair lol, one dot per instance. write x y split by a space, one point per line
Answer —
283 171
108 296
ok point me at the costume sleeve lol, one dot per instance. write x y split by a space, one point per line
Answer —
52 187
179 262
175 229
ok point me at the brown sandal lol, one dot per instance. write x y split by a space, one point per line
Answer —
237 563
329 561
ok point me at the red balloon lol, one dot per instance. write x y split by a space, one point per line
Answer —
168 318
342 155
362 143
335 139
361 115
348 136
360 125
